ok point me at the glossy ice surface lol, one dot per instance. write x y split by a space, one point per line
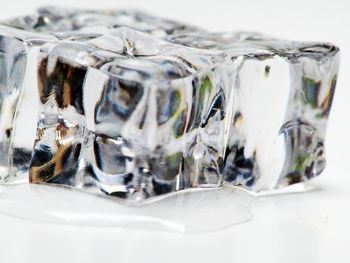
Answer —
136 106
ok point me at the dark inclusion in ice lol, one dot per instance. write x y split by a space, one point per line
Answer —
136 106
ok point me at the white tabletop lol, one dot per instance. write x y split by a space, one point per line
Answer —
310 227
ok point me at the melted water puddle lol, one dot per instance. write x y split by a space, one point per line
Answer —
186 212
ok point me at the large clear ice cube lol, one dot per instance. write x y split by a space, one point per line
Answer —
136 106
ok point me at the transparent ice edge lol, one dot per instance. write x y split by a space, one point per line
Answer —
234 108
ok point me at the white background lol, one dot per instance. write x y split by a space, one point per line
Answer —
306 227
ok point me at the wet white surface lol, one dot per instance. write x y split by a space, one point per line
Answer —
303 227
197 211
311 227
